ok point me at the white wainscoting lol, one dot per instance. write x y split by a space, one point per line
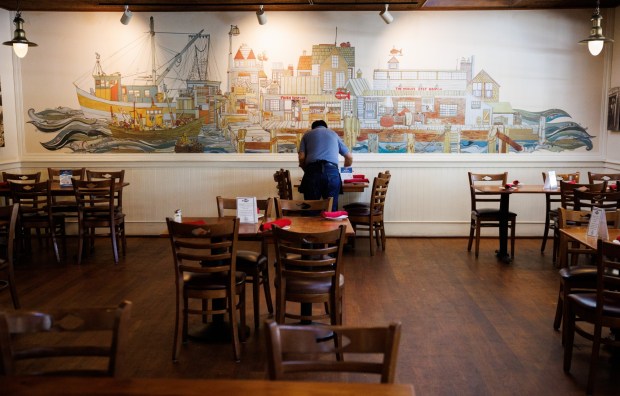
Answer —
428 195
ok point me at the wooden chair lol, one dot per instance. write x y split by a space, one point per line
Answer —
205 266
586 200
96 209
599 309
85 333
575 277
295 349
487 217
66 205
309 271
551 210
118 177
603 177
567 191
284 184
371 219
301 207
35 212
254 264
357 205
8 223
20 178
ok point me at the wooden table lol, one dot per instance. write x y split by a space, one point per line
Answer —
349 187
57 189
298 224
580 234
504 209
71 386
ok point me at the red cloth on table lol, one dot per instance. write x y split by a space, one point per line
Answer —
195 222
355 180
6 183
337 213
278 223
359 176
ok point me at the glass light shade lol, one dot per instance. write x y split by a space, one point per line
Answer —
595 46
20 49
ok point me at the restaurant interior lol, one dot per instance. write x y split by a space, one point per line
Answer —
434 98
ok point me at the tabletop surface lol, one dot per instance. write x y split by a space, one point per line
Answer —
34 386
522 188
580 234
298 224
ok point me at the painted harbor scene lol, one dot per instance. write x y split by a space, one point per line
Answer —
265 107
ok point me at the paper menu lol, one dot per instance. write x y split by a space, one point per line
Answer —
346 172
65 178
247 211
551 181
597 227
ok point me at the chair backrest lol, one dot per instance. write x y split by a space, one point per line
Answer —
118 177
76 173
378 195
95 333
608 281
481 179
294 349
599 177
559 177
607 200
22 177
34 199
94 197
228 206
204 248
287 207
567 191
284 184
385 175
569 217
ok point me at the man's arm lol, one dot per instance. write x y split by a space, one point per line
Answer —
302 159
348 159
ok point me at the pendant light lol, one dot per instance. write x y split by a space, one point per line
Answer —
19 43
596 40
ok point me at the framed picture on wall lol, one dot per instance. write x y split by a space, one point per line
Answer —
613 113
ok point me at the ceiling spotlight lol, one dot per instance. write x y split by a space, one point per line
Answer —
126 17
262 17
386 16
20 43
596 39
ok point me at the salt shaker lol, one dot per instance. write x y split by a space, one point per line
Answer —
178 216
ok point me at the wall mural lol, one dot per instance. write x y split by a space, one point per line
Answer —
395 110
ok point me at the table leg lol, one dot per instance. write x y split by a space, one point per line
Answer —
502 253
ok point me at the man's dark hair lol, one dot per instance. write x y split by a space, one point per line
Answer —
319 123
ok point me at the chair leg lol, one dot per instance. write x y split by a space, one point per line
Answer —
176 345
512 238
234 328
559 310
596 347
81 237
267 288
114 242
545 234
569 328
477 239
256 296
472 227
382 229
13 289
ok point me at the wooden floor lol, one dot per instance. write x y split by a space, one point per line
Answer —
470 326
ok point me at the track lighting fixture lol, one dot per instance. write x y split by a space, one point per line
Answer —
386 16
20 43
596 39
261 16
126 17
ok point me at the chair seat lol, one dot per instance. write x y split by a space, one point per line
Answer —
581 272
356 206
588 301
362 212
249 258
216 281
308 286
490 212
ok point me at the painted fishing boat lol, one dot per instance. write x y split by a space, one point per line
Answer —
152 108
